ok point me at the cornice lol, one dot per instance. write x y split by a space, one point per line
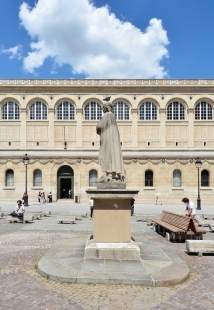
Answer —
108 82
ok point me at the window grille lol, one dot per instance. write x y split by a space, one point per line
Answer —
149 178
93 178
176 111
176 178
10 110
65 111
204 178
37 178
121 111
38 111
10 178
93 111
203 111
148 111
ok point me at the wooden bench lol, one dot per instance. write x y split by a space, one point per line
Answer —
177 227
200 246
26 218
66 219
208 216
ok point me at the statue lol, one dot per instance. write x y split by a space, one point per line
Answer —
110 156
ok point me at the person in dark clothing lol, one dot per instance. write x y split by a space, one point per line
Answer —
132 206
50 197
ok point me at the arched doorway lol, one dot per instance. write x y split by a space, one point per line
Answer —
65 182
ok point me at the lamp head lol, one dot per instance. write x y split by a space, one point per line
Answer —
198 163
25 160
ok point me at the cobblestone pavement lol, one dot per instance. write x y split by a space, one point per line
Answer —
21 287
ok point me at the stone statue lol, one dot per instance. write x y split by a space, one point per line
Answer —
110 156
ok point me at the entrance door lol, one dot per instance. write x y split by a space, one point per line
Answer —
65 183
65 186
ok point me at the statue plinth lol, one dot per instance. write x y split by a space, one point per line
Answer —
112 224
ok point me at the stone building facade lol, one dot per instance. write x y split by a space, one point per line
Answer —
164 126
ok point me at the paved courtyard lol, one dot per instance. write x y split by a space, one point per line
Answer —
22 245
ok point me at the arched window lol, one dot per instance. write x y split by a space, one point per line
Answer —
10 178
93 111
37 178
148 178
175 111
205 178
10 110
148 111
203 111
65 111
93 178
121 111
38 111
176 178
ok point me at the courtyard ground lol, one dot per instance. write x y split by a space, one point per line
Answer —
22 245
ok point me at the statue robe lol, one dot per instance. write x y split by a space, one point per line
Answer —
110 156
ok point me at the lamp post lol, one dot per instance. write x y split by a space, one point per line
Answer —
198 164
25 160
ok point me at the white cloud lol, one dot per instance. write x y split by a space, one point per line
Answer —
92 40
14 52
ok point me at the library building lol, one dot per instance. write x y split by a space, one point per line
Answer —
48 139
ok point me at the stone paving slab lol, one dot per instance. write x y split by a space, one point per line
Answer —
66 262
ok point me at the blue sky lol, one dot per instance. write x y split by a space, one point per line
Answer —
129 39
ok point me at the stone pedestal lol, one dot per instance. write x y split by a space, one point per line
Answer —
112 225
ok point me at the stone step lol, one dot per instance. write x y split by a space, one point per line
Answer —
200 246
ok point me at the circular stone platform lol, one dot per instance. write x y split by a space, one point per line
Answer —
158 266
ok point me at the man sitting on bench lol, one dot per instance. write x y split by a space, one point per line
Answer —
19 211
190 207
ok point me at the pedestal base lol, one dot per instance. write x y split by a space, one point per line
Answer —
107 250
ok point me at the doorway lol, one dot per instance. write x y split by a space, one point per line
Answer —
65 183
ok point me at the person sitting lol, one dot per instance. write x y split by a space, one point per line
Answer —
19 211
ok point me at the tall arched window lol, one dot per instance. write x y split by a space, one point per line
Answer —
65 111
175 111
176 178
93 111
38 111
10 110
205 176
10 178
148 178
93 178
37 178
148 111
121 111
203 111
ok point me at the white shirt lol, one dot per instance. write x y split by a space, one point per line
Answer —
191 205
21 209
91 203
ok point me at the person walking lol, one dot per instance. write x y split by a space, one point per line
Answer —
132 206
42 198
190 207
91 204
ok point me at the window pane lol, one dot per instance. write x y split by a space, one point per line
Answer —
93 178
148 111
205 178
203 111
10 110
148 178
121 111
65 111
10 178
176 178
37 178
93 111
38 111
176 111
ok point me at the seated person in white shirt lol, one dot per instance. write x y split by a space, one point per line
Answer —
20 209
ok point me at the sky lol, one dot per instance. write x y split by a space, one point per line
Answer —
107 39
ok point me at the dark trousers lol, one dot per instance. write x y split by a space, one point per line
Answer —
17 215
92 209
132 210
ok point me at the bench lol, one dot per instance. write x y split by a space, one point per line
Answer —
77 217
43 213
26 218
208 216
177 227
211 227
200 246
78 214
66 219
145 217
36 216
203 223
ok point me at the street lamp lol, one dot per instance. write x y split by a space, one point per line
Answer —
25 160
198 164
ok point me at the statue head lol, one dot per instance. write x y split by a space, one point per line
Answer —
107 107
